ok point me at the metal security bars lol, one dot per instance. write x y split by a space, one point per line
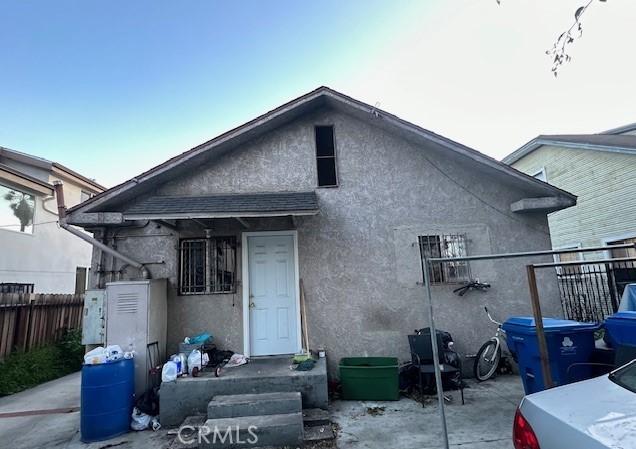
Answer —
448 246
14 287
207 266
591 292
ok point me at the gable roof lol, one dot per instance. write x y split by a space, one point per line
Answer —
621 129
55 167
321 97
615 143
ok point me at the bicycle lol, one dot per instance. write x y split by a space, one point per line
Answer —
489 357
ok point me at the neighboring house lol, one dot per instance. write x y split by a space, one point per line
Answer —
600 169
36 255
338 194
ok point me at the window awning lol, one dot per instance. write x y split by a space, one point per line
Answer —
224 206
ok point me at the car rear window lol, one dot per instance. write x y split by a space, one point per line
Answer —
625 376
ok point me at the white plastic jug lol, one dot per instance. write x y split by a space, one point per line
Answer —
169 372
194 361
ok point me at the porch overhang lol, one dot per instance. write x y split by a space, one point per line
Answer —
238 206
244 205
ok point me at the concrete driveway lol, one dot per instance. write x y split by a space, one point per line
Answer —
484 422
45 416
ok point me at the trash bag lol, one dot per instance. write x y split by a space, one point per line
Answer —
218 357
199 339
139 420
236 360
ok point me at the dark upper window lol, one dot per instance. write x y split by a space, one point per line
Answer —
326 157
207 265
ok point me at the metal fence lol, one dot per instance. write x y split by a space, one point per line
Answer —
590 293
29 320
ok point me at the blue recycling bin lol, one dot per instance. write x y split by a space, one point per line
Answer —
620 329
108 395
568 342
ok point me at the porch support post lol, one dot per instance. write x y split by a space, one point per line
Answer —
538 322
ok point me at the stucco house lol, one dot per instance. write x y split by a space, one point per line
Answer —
599 169
341 195
35 254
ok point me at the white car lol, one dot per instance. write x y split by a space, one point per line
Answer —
599 413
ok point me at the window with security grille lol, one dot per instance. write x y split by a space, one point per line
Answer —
446 245
14 287
207 266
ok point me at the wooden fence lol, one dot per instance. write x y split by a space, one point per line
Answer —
29 320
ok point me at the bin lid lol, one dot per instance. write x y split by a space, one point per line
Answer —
623 316
526 325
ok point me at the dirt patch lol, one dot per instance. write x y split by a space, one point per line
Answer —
375 411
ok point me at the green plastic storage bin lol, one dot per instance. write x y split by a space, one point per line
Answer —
370 378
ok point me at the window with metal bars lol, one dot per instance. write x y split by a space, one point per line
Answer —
13 287
207 265
446 245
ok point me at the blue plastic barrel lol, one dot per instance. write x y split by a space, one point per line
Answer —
621 329
569 343
108 394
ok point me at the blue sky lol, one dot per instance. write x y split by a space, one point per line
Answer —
113 88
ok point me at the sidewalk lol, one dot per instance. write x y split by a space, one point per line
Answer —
37 425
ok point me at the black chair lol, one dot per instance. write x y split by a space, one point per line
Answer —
422 358
622 356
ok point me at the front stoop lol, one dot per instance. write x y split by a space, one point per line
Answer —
237 405
254 431
269 420
191 395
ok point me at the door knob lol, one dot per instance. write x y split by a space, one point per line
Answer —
252 305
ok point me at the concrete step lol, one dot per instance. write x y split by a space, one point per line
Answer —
315 434
316 417
238 405
253 431
186 436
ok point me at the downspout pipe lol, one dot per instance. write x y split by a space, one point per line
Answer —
61 210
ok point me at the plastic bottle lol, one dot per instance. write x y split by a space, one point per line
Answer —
194 361
176 359
169 372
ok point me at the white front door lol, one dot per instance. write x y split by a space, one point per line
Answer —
273 310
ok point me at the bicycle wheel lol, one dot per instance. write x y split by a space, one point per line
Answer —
487 361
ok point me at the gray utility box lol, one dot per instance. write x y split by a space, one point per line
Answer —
136 316
93 322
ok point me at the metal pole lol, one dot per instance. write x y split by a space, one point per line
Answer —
547 252
538 322
438 373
